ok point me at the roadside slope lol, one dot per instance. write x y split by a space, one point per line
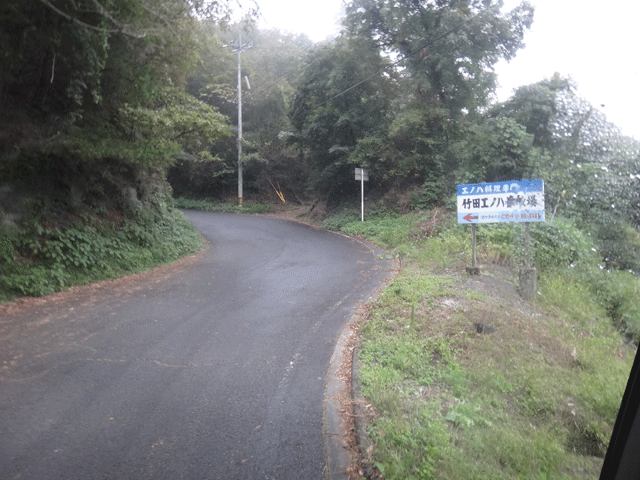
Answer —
461 378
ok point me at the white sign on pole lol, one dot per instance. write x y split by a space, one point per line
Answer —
514 201
363 176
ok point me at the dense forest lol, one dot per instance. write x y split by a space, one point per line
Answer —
110 108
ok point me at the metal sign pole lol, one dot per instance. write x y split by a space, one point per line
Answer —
362 198
528 243
473 246
362 175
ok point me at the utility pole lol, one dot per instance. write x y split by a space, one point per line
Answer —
240 48
239 117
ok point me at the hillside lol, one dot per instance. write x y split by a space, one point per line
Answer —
459 377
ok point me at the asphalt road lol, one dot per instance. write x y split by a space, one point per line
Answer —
213 368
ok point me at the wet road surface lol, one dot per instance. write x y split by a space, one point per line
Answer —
213 368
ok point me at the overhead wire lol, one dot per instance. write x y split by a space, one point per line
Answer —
380 71
304 50
393 64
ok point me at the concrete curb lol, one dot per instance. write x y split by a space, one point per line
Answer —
342 385
337 450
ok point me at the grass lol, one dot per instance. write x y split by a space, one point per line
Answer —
535 399
221 207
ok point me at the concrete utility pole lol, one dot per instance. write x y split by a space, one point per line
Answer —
239 117
239 50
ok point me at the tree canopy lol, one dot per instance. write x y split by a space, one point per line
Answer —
449 47
73 67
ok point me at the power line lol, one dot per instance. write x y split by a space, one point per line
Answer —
410 54
383 69
301 52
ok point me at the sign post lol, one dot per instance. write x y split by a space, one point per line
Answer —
474 261
513 201
363 176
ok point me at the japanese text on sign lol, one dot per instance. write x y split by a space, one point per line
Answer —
515 201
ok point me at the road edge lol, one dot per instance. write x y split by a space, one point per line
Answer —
338 448
339 423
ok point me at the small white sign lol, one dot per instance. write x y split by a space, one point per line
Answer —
362 175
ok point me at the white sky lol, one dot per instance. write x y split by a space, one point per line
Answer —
596 43
319 19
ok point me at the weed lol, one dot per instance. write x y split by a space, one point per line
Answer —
409 449
393 359
415 289
467 414
388 230
48 259
221 207
536 398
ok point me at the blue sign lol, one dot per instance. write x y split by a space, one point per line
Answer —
514 201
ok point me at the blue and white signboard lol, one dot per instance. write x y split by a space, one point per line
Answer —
514 201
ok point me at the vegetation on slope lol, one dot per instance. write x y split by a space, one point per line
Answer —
55 254
463 379
94 110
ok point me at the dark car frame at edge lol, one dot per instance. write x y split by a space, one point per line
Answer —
622 461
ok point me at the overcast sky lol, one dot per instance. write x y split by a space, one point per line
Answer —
596 43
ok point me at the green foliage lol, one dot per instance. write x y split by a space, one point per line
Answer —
409 449
601 378
332 109
497 150
419 139
413 289
387 230
619 244
560 244
338 220
104 83
522 452
466 415
8 242
588 166
431 194
534 107
272 66
51 258
67 60
394 360
453 71
221 207
50 63
421 128
617 292
536 398
153 137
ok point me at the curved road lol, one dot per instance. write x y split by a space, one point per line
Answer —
213 368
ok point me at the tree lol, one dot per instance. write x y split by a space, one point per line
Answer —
591 171
83 69
449 47
589 165
270 66
49 64
496 150
341 98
